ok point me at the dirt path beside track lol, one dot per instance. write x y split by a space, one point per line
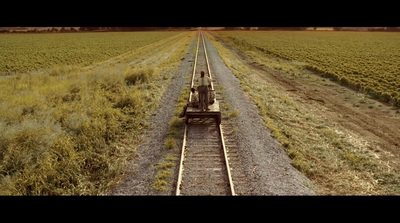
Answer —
374 124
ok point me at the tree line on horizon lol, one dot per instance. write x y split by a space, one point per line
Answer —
132 29
86 29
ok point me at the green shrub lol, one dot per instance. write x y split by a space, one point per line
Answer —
170 143
134 76
133 100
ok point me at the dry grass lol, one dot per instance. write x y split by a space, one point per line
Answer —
59 133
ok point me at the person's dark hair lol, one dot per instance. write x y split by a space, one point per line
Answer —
202 73
192 89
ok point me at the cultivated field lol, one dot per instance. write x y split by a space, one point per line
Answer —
70 127
74 106
345 141
366 61
21 53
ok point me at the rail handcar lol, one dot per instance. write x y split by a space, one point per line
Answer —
214 112
201 64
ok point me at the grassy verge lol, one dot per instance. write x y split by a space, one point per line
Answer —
173 142
326 155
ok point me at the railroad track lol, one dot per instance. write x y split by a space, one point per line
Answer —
205 159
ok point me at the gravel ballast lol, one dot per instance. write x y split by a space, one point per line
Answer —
265 162
140 171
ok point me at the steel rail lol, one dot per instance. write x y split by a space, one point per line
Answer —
220 130
208 65
178 187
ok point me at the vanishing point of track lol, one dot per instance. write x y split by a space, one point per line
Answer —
204 166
